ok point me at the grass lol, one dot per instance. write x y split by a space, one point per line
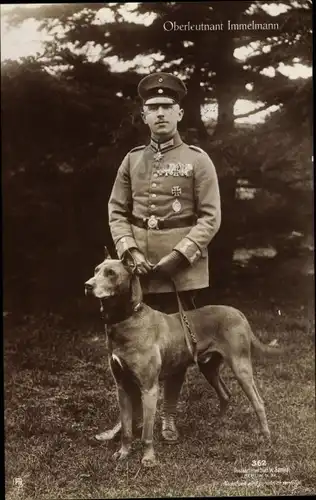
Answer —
59 393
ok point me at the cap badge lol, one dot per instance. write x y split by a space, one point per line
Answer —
160 91
160 80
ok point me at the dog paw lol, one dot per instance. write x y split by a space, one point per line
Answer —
121 454
149 461
265 440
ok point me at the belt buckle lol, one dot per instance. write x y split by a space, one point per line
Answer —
152 222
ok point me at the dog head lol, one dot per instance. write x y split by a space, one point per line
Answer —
114 279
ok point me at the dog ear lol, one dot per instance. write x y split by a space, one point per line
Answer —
129 262
106 254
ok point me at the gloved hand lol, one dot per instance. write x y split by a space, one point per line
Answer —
171 263
139 261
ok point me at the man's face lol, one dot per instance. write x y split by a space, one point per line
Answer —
162 117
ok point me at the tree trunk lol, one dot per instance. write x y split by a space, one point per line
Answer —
192 106
225 90
223 247
225 102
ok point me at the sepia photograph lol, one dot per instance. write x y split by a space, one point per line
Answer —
158 249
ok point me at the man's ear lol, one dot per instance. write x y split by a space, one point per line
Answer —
181 113
129 262
143 115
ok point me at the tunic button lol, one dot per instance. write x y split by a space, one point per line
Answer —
154 185
155 175
152 206
153 195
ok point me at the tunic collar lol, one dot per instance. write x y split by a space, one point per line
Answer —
166 145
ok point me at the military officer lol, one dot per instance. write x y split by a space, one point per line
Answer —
164 210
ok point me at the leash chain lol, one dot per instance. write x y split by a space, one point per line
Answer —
187 327
187 323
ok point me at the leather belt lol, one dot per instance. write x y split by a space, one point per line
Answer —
154 222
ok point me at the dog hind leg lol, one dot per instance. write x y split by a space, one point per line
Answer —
210 371
244 374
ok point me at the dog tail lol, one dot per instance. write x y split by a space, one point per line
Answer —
271 349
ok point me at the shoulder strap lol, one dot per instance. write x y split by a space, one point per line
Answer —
138 148
196 148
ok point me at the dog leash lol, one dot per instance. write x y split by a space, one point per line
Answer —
187 327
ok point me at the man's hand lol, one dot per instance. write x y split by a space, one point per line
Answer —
171 263
140 261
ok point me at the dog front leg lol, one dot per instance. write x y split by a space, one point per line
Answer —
149 399
126 413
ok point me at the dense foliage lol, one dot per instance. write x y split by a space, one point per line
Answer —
69 118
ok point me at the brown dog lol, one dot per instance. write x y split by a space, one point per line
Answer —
147 346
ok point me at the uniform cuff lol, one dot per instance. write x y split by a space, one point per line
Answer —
189 249
124 244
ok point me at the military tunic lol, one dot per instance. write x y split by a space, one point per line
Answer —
168 182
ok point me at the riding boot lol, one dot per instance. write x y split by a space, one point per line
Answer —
173 385
172 388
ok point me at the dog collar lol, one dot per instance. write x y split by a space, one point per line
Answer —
111 320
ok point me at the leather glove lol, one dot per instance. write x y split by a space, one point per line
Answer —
139 261
171 263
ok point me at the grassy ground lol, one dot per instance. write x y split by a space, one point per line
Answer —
59 394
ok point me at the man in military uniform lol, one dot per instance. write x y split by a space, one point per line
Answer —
164 210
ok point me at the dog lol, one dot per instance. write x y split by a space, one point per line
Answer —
147 346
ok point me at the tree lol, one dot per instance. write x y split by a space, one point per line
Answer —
204 59
59 156
84 115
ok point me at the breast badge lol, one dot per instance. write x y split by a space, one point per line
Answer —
176 205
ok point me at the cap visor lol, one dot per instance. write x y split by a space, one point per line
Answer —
159 100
